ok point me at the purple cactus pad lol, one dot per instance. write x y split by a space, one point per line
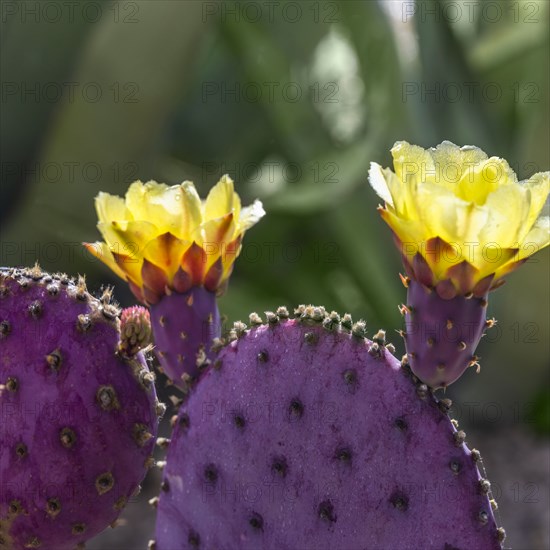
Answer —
304 434
79 418
184 327
441 335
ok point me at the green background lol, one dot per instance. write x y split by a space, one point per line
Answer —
293 100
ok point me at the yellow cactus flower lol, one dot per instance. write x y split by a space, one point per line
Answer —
162 239
461 220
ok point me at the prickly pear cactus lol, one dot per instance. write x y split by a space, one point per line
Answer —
442 333
304 434
185 325
79 413
187 248
462 222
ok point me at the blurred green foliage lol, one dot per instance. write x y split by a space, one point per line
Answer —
293 101
540 414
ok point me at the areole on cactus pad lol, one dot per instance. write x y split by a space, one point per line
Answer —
304 434
461 222
177 253
79 411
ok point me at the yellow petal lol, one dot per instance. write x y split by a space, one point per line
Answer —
446 216
135 200
128 238
101 251
231 253
490 258
192 210
484 178
214 237
158 204
130 266
110 207
451 161
236 206
537 239
412 164
149 235
166 251
220 200
473 203
537 188
392 190
504 223
411 233
377 180
250 215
